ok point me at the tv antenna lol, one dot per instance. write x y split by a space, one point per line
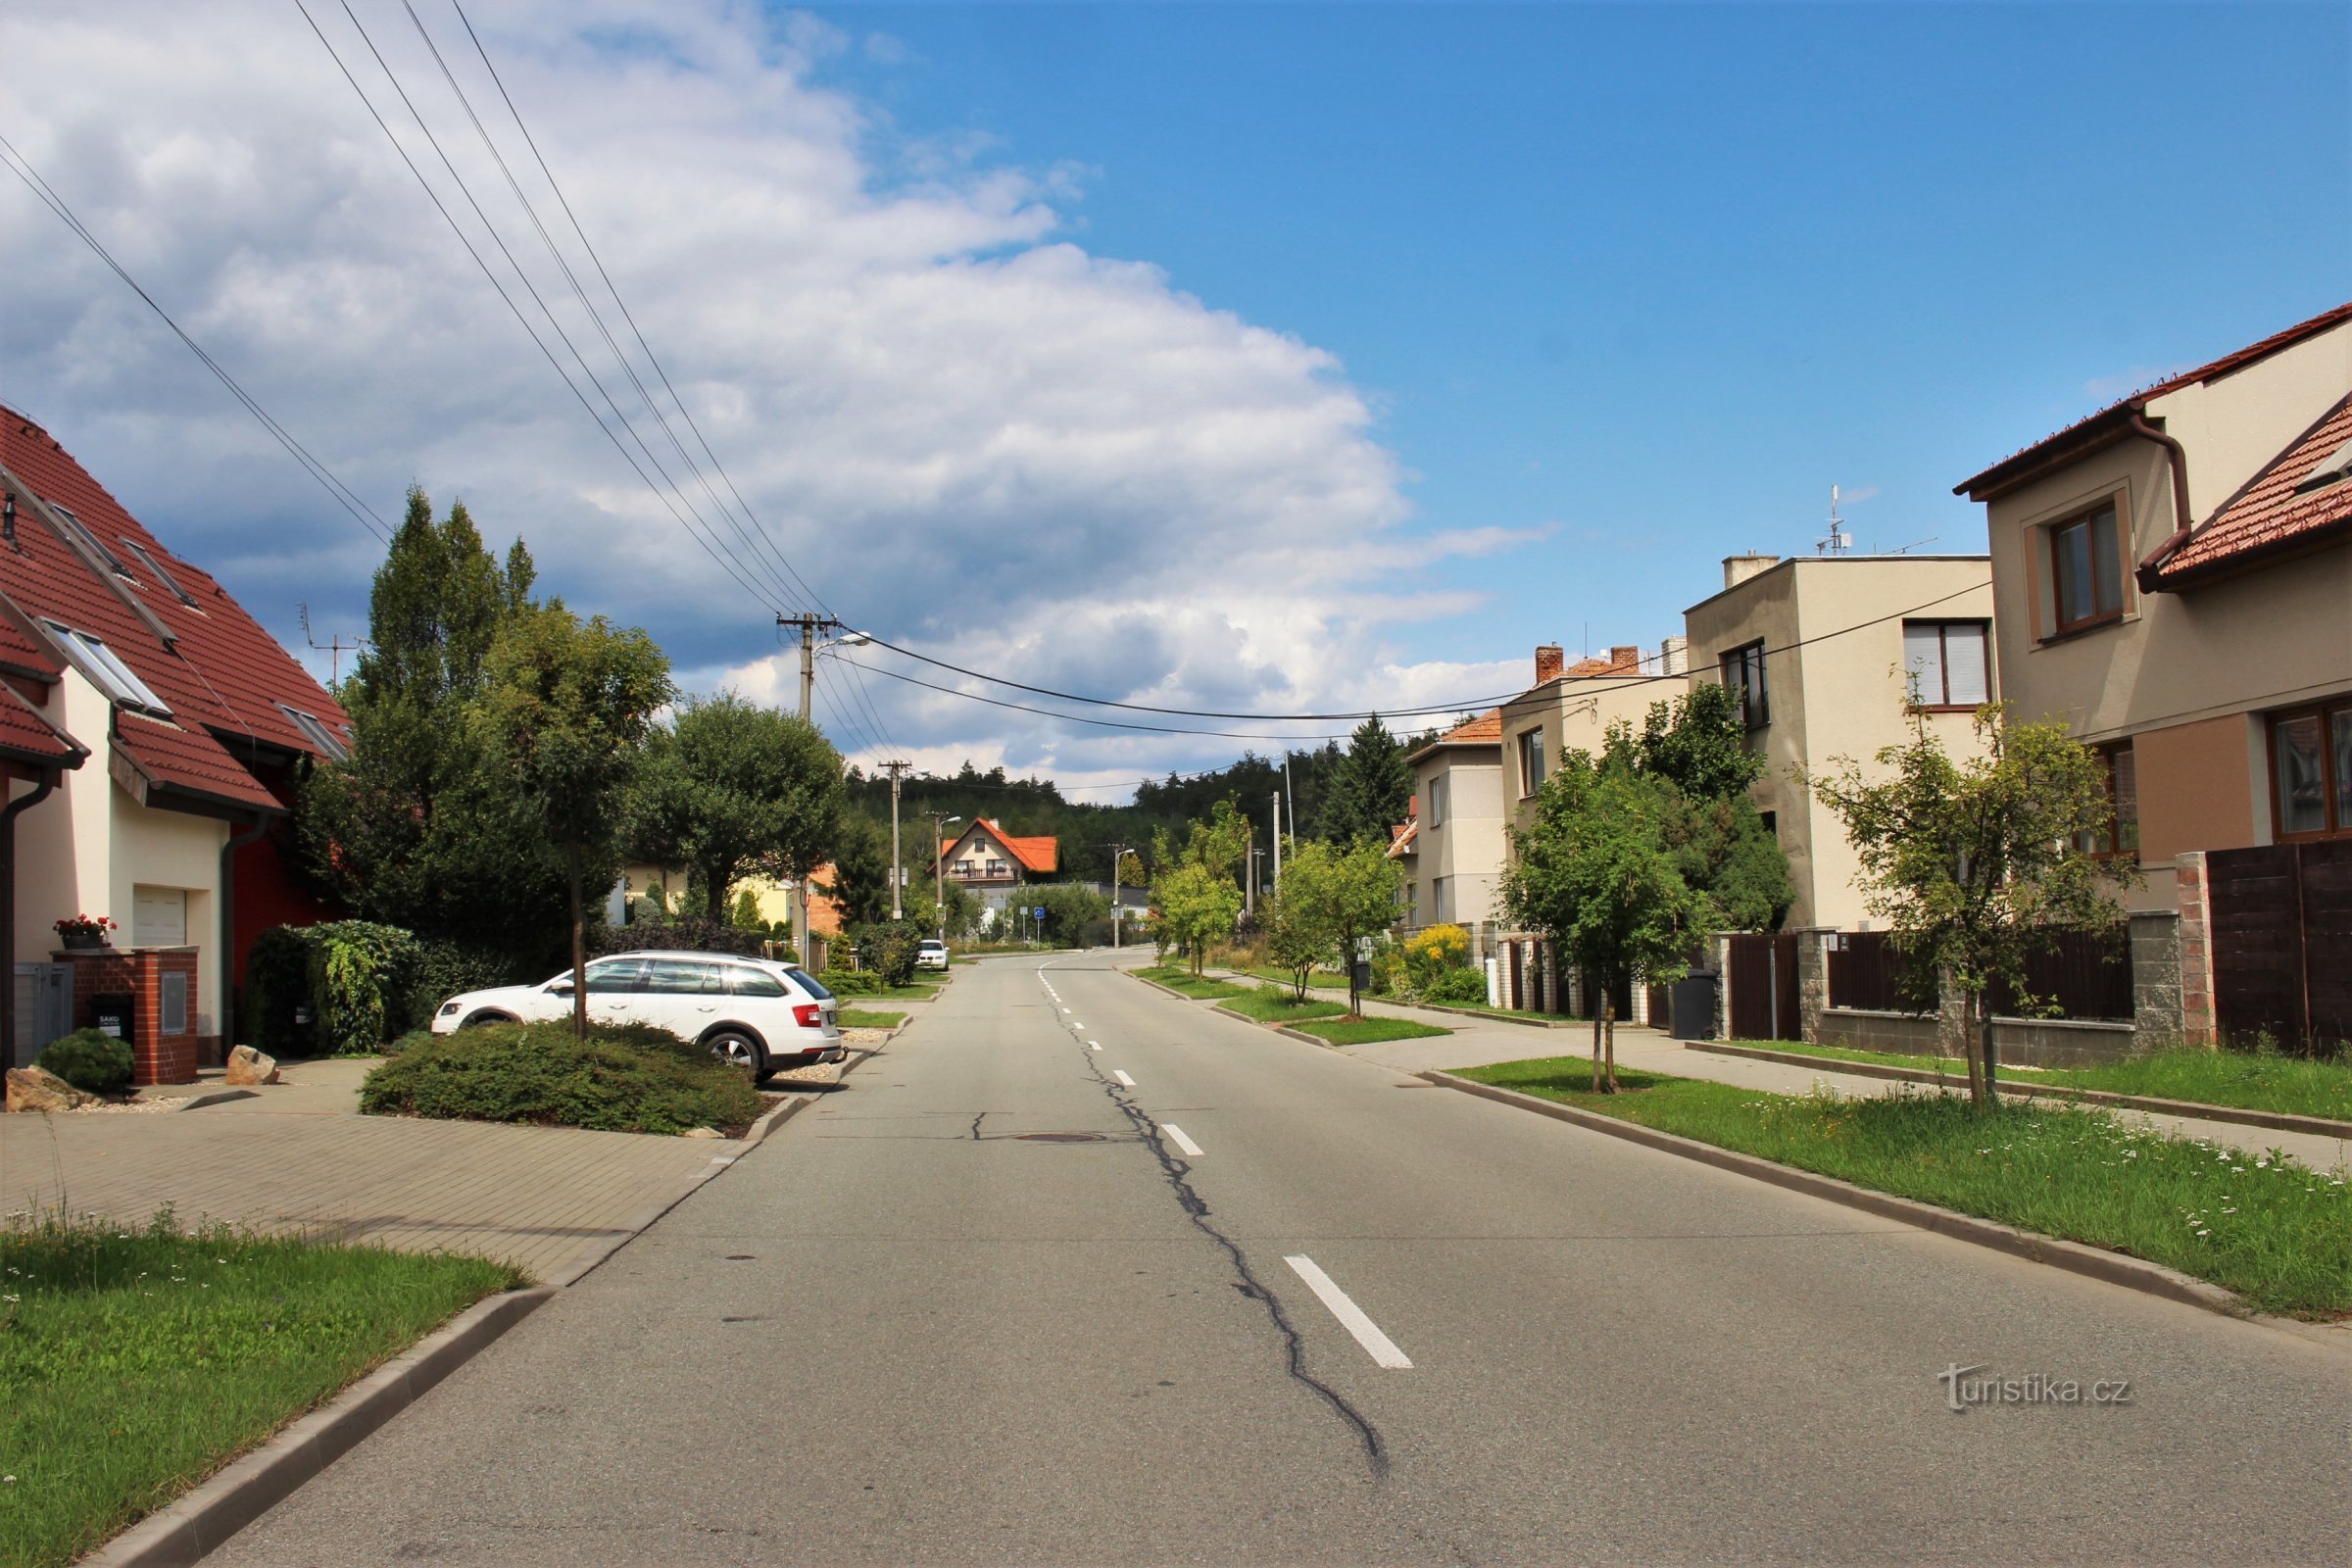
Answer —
333 646
1836 542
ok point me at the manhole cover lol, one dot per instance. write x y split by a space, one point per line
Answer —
1060 1138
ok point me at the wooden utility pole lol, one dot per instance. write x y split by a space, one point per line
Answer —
897 878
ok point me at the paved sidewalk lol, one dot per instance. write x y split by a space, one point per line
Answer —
1476 1042
294 1158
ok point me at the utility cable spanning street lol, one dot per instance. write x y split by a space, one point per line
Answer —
1162 1286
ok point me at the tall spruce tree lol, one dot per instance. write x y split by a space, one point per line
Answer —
1370 789
414 830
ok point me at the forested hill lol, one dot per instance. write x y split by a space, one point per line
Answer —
1026 806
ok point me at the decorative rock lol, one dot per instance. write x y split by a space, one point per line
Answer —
248 1067
702 1132
39 1089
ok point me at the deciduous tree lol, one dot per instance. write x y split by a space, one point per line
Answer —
1975 863
731 788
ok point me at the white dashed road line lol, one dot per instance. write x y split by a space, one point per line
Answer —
1377 1345
1122 1077
1093 1045
1176 1137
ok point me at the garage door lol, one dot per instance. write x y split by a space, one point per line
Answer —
159 917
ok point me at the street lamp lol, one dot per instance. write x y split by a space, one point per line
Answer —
1119 858
939 868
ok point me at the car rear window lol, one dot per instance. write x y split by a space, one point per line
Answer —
745 981
810 984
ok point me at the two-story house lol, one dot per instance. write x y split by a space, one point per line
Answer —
1833 656
195 725
2174 579
992 862
1458 831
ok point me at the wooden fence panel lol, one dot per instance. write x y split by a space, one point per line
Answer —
1764 990
2281 943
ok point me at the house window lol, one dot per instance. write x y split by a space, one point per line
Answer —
1743 674
324 740
1439 909
81 531
161 575
1531 762
2086 570
1437 801
1946 664
105 670
2121 833
2311 770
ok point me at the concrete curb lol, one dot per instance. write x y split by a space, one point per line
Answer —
2114 1268
201 1519
2277 1121
1168 990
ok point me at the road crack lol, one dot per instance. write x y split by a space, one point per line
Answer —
1176 1171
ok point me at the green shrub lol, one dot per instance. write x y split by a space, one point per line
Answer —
886 950
852 983
341 987
90 1060
632 1078
446 969
1458 986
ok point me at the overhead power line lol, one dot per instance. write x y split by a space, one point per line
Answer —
1080 719
362 513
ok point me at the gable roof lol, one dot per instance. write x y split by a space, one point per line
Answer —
218 672
1040 855
1403 839
27 734
2290 505
2114 420
1484 730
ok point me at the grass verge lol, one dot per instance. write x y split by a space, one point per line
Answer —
2264 1226
1344 1031
1275 1004
1181 981
136 1360
2241 1079
860 1018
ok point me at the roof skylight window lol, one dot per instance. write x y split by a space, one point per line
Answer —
83 531
161 575
105 670
318 733
2332 471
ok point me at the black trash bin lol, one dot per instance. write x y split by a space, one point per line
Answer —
115 1012
1690 1006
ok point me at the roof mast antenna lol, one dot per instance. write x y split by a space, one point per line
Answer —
1835 542
334 647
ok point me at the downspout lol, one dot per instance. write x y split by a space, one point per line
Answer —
228 927
2185 520
8 908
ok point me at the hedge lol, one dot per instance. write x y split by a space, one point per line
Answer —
631 1078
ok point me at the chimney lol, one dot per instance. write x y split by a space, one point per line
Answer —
1551 660
1737 569
1673 657
1623 658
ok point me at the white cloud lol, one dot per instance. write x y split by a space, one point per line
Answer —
971 434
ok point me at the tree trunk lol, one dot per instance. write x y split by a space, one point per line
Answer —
579 954
718 901
1990 1049
1608 1019
1597 1054
1980 1088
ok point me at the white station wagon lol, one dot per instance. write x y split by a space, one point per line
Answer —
756 1014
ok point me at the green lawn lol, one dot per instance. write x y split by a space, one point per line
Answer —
1181 981
1321 977
1274 1004
1365 1031
135 1360
859 989
858 1018
2241 1079
2261 1225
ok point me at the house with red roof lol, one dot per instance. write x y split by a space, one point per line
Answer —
1455 850
152 735
2173 579
992 862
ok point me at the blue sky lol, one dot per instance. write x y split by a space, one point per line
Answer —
1659 276
1304 358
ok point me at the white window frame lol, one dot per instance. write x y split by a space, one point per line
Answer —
147 559
104 668
90 536
1941 697
316 731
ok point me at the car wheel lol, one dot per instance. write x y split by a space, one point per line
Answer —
477 1020
739 1050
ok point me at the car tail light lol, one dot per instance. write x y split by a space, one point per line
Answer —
808 1015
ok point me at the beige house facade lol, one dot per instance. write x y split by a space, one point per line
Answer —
2174 581
1457 840
1832 656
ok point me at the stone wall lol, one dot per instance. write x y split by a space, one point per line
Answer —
2194 938
2025 1042
2157 980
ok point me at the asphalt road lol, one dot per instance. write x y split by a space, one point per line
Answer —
907 1330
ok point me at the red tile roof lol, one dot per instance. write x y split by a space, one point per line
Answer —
19 654
1484 730
1040 855
1402 839
2094 430
27 734
222 676
2273 513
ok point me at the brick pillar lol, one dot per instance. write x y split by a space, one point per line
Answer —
1812 980
2199 1023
